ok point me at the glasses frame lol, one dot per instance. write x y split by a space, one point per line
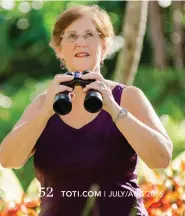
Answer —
79 35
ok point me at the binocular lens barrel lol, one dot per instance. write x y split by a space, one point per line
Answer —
62 104
93 101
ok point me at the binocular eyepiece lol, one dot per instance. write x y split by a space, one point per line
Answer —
93 100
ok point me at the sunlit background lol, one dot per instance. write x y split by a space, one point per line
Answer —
27 65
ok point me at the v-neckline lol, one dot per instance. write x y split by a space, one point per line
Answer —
84 126
89 123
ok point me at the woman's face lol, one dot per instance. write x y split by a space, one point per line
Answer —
81 46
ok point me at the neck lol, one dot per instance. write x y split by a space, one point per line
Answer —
79 95
95 69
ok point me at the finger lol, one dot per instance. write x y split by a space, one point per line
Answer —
94 85
92 75
62 88
62 78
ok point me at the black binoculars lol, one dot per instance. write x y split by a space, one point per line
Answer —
93 101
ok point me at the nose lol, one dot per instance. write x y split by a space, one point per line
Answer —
81 41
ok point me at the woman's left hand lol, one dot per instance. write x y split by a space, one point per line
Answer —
103 87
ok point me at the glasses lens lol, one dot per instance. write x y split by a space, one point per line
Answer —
73 37
89 35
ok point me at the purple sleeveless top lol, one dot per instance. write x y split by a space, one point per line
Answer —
69 161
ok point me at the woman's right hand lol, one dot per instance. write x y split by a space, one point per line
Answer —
55 88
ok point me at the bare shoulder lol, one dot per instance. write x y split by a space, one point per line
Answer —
132 90
131 95
40 98
36 104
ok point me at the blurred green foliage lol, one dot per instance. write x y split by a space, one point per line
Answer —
27 64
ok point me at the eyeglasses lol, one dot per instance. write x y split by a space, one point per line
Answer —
72 37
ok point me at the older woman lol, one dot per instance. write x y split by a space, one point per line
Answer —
77 150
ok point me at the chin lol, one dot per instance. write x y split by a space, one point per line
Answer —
82 68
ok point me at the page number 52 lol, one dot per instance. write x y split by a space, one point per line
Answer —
46 191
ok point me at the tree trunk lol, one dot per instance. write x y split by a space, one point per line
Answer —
133 32
157 35
178 34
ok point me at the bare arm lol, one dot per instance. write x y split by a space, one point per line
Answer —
18 145
143 129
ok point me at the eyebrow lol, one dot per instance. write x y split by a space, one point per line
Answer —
73 31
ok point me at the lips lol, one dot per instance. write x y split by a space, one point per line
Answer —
81 54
